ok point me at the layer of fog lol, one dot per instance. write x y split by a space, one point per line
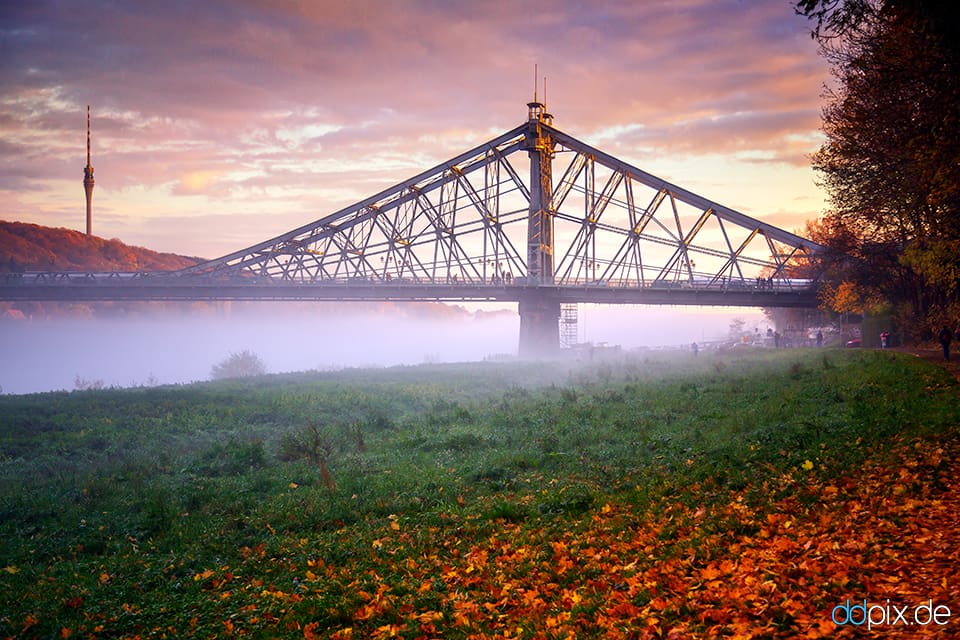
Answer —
634 327
178 347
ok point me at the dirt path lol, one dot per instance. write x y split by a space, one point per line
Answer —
936 356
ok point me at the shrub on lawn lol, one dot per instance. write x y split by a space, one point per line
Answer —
244 364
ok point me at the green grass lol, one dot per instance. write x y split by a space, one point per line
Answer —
122 512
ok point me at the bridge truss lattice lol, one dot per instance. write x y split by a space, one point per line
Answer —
467 221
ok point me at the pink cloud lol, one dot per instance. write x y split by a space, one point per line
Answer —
262 104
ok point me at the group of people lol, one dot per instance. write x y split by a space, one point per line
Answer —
945 337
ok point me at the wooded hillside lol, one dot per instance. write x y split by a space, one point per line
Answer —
31 247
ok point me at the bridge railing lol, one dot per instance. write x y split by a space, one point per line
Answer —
146 279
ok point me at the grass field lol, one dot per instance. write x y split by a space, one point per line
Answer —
737 495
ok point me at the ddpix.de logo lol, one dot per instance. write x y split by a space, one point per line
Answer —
878 615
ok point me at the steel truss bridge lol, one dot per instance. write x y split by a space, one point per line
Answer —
576 225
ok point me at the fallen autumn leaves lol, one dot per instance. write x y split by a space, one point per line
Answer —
724 569
883 535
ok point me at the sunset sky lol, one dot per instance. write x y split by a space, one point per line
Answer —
220 123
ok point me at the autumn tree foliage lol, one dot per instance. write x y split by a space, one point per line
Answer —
891 159
31 247
28 247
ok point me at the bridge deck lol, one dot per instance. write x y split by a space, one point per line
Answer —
89 287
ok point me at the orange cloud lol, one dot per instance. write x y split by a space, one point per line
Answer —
272 105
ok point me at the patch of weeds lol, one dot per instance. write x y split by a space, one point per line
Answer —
378 420
523 462
91 540
797 370
158 513
232 458
548 443
456 442
354 434
313 444
507 511
446 412
571 500
493 475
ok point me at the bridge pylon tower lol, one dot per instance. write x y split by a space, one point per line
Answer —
539 304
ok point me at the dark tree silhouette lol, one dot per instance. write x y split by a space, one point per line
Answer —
891 159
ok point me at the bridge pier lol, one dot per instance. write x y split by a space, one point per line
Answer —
539 324
539 308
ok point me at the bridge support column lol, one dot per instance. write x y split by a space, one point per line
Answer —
539 324
539 307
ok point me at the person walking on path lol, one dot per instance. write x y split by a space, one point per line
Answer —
945 336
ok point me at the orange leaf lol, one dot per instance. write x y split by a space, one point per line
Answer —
310 631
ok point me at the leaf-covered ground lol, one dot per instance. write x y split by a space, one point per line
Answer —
890 535
667 555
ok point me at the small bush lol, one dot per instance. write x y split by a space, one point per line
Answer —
239 365
311 443
82 384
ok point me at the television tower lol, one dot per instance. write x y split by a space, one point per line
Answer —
88 179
